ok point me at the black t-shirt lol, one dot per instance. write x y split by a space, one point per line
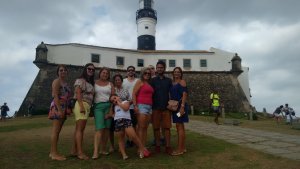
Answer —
161 88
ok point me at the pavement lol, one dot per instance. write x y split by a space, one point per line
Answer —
283 145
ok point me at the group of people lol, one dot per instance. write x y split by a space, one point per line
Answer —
284 112
121 107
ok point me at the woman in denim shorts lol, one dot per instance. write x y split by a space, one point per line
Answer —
142 101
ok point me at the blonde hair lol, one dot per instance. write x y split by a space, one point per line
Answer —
143 70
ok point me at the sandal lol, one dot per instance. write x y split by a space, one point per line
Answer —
95 157
82 157
175 153
125 157
104 153
58 157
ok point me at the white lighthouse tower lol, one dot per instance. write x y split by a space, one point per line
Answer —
146 20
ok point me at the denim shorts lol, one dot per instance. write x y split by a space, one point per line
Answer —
145 109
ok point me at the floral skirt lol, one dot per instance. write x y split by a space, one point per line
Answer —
53 112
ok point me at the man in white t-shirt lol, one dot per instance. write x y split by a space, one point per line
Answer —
128 84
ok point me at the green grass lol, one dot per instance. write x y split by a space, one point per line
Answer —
25 143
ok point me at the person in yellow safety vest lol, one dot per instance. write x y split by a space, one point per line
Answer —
215 105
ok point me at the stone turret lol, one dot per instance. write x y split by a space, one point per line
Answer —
236 62
41 54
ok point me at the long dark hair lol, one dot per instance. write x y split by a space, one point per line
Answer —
85 76
180 70
59 66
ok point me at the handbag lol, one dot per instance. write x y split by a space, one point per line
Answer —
92 111
71 103
173 105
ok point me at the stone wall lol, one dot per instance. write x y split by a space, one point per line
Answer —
200 85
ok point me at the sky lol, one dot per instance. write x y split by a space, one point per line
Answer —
265 34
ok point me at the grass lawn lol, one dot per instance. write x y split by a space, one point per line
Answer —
25 143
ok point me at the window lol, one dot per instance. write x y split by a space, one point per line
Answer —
120 61
203 63
95 58
146 27
172 63
187 63
140 63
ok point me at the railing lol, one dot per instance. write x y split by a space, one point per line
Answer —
146 12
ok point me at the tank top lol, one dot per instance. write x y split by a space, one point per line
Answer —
144 96
102 93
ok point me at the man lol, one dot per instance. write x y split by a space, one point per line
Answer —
288 114
161 116
128 84
4 110
215 105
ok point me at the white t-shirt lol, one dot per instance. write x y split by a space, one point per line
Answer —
129 86
120 113
102 93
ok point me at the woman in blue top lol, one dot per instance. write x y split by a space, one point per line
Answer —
178 92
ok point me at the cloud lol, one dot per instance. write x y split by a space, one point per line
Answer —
265 34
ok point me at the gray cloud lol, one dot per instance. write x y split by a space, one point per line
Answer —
266 34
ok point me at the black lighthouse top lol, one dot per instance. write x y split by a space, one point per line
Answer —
147 11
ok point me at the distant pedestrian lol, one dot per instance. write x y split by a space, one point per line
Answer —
215 105
288 115
29 109
4 110
277 113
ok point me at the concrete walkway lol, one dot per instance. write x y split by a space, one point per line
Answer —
283 145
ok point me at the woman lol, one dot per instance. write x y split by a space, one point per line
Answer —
103 89
58 110
179 92
84 93
119 90
123 125
142 101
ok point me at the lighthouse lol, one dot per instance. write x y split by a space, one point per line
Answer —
146 20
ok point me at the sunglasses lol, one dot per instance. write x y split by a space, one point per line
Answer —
62 70
91 69
130 70
147 73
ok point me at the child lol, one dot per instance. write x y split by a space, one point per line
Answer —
123 125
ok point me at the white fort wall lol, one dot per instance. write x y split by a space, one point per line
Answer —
76 54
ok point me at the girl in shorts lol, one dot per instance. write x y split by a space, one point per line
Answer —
123 125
